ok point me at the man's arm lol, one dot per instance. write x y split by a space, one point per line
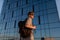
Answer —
30 26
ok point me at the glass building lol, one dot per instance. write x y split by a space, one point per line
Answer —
46 18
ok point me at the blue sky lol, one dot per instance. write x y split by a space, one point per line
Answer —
57 2
58 6
1 3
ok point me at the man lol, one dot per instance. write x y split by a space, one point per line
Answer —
30 25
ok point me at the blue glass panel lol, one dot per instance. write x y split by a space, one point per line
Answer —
42 27
8 13
27 9
41 19
51 4
36 21
43 33
37 34
30 1
23 2
53 17
47 31
17 12
2 26
55 32
10 25
54 25
38 27
52 10
24 17
37 7
45 12
46 26
45 19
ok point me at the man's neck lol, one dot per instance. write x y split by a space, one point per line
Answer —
29 17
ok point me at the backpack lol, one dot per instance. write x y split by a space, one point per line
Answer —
24 31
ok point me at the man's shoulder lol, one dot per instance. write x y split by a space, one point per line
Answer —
29 19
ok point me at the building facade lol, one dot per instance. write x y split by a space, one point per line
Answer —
46 18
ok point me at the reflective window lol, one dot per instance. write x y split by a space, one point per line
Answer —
16 3
53 17
23 2
37 7
12 13
37 34
26 1
40 7
17 12
15 24
8 6
45 19
13 5
10 25
33 8
55 32
19 3
54 25
45 12
42 27
8 13
41 19
51 5
36 21
4 16
46 26
7 0
22 11
27 9
2 25
52 10
37 13
43 33
38 27
44 1
24 17
5 25
34 1
47 31
30 1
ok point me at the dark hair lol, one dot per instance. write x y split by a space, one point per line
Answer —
30 13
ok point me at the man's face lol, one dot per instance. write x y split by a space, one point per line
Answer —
32 16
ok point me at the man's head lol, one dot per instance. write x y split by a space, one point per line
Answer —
31 15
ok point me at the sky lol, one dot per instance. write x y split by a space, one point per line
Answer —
57 2
58 7
1 3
